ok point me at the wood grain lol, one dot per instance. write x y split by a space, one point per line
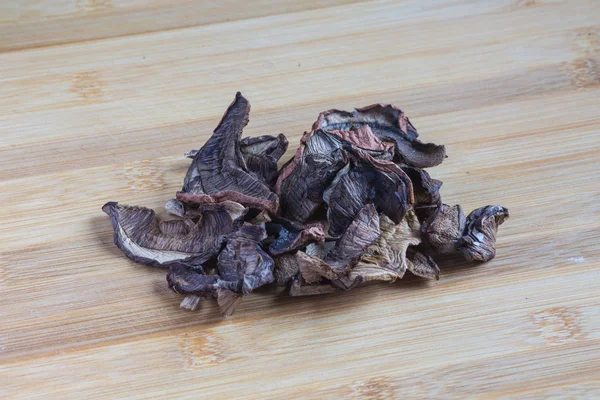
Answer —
100 99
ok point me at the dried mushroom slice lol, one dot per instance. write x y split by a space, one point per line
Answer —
261 155
286 268
242 264
180 242
360 183
388 123
426 192
422 265
336 263
305 177
385 260
479 240
184 280
218 171
443 230
292 239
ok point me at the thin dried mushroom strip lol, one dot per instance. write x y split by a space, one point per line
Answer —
300 288
422 265
219 172
179 242
235 210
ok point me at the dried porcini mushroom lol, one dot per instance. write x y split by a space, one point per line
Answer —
179 242
479 239
444 228
388 123
353 205
385 259
219 172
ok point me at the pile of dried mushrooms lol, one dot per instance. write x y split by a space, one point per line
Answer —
354 204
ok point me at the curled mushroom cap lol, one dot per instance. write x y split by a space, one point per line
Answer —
242 266
218 171
388 123
179 242
479 240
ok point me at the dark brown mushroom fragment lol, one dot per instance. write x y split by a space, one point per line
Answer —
261 155
242 264
426 191
303 180
422 265
175 207
218 171
444 228
292 239
179 242
346 251
479 240
286 268
184 280
388 123
360 183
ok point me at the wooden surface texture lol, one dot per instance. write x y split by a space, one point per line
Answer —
99 99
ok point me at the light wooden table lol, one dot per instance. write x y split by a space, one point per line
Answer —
99 99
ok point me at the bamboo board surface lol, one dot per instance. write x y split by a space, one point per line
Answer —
99 99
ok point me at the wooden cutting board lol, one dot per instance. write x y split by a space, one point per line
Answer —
99 99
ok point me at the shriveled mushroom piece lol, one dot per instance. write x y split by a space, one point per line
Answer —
443 230
290 238
385 260
305 177
479 240
179 242
261 155
359 183
218 171
242 266
301 288
422 265
426 191
335 261
286 268
176 207
388 123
